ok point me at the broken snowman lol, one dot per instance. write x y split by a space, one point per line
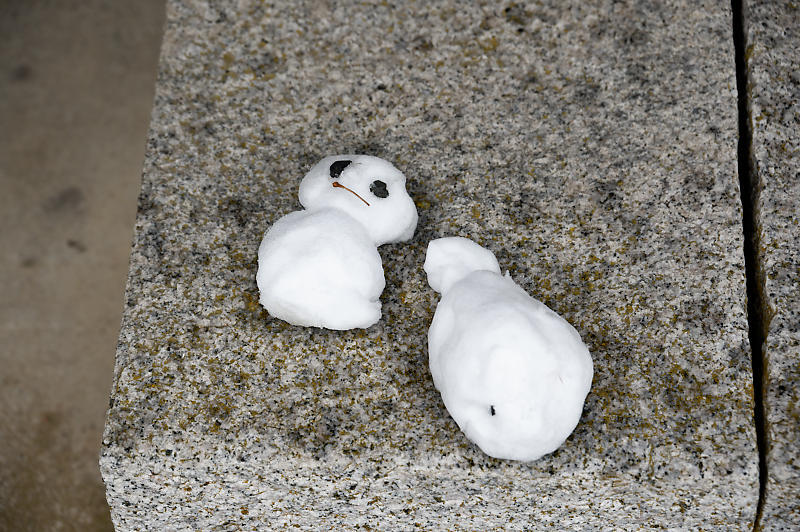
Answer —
320 266
512 373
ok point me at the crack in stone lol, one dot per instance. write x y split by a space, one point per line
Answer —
757 317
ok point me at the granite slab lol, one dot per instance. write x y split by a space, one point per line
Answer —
591 146
773 67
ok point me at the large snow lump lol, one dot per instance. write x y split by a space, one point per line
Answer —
512 373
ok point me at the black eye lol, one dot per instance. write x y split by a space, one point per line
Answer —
379 189
338 167
491 410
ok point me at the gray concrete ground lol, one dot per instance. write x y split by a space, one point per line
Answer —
76 88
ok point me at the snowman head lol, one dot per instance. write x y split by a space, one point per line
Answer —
369 189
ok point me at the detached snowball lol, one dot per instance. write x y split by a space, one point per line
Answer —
512 373
320 267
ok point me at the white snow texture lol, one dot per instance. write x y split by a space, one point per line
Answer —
320 267
512 373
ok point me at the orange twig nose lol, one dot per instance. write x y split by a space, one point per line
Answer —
336 184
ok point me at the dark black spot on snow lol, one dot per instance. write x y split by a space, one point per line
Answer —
379 189
491 410
338 167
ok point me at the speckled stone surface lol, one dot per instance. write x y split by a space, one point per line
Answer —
773 64
592 147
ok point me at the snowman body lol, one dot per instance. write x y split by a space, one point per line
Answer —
512 373
320 266
335 276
